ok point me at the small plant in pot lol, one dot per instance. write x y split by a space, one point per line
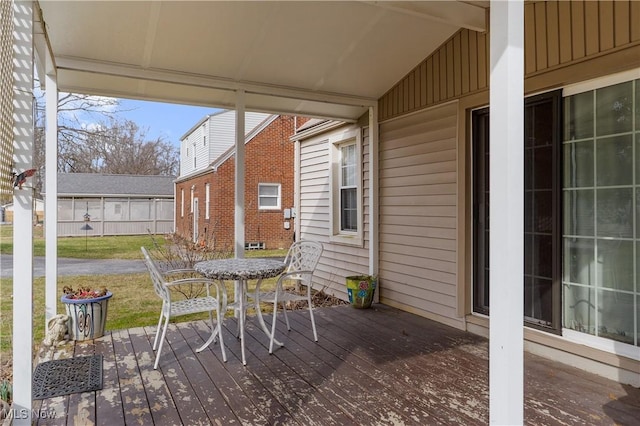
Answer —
87 310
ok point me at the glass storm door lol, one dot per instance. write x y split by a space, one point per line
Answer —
542 202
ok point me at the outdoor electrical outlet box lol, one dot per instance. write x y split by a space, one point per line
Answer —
287 213
287 225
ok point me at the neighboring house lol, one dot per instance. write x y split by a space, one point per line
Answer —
6 212
582 202
211 137
205 199
115 204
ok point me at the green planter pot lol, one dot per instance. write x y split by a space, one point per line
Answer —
360 289
87 317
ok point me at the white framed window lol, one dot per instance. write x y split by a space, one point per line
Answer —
269 196
182 202
346 187
193 188
207 200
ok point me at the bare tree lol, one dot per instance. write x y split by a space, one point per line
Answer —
92 138
120 146
74 111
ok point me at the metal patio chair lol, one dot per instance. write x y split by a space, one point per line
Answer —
192 302
301 260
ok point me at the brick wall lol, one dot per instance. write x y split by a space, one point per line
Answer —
269 158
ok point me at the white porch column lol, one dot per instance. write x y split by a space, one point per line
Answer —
23 211
239 183
373 193
506 245
51 190
296 187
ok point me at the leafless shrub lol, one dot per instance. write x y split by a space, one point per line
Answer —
177 256
179 253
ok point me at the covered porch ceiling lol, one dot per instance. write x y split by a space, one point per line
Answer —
321 59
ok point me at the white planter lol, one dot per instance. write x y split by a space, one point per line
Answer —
87 317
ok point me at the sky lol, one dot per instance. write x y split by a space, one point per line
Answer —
169 121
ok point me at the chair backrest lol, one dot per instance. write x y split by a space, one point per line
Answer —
303 256
156 276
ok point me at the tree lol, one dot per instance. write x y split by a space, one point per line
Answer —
121 147
93 138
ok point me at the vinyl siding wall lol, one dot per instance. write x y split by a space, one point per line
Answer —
220 130
557 34
418 213
338 261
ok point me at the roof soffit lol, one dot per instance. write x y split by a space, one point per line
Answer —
291 57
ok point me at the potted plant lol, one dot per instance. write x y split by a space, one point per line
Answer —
360 289
87 311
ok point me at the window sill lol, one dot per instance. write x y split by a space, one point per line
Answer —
347 240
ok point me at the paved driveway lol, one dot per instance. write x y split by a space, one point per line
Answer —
76 266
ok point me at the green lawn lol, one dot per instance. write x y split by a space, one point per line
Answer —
108 247
119 247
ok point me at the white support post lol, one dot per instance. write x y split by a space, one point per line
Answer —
296 188
51 190
506 245
23 212
239 176
373 193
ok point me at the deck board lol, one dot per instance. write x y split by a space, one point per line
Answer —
248 391
109 399
373 366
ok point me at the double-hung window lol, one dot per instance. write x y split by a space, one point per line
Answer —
348 188
346 183
269 196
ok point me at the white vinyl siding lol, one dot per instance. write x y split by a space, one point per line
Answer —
418 213
338 260
219 133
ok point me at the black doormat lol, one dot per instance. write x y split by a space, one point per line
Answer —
65 376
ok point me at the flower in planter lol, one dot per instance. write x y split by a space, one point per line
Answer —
83 292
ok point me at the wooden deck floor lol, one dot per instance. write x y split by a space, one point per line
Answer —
376 366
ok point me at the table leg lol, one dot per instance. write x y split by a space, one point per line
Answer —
214 334
256 299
